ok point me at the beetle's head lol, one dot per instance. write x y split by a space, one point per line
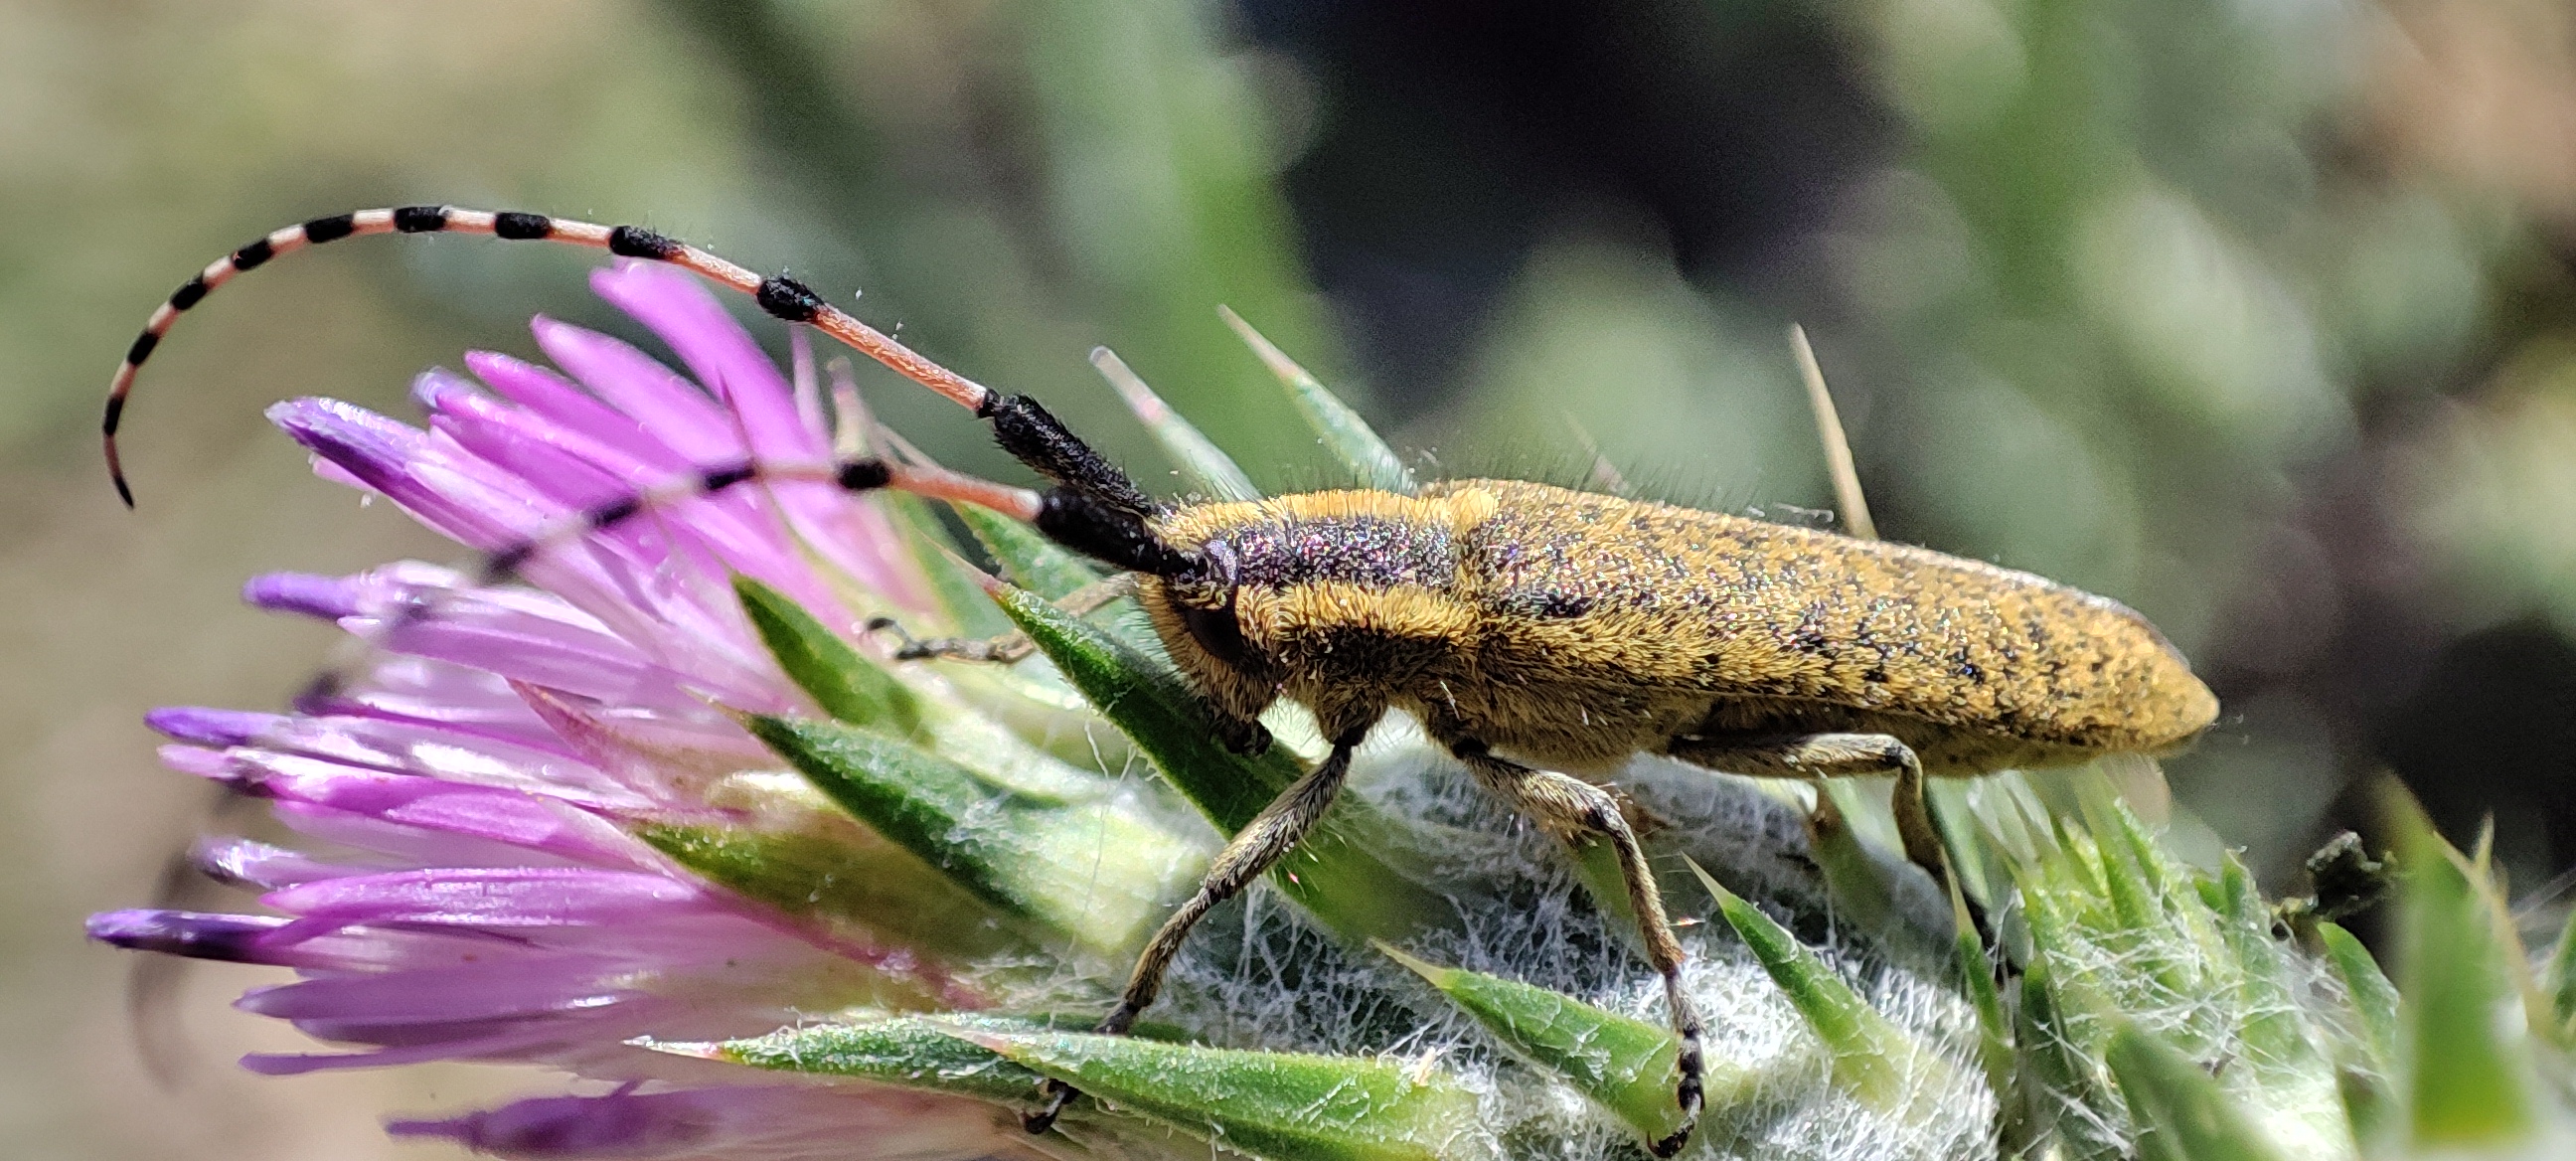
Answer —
1198 611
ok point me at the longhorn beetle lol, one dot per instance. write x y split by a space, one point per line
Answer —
1541 635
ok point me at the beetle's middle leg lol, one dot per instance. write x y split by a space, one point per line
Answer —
1572 810
1008 648
1813 756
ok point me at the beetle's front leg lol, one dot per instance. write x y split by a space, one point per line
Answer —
1239 735
1009 648
1574 810
1261 844
1813 756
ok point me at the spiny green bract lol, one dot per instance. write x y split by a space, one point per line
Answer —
1428 978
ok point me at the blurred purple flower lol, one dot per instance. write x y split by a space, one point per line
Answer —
475 889
736 1124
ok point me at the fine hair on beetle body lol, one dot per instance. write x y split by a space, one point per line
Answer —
1541 635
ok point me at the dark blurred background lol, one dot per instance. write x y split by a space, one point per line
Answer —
2257 315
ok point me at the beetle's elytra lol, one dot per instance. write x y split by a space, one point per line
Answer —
1575 629
1541 635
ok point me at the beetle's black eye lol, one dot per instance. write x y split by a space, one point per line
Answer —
1218 632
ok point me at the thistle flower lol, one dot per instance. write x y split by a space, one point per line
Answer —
665 821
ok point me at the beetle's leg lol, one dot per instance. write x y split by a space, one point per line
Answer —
1575 810
1260 845
1009 648
1814 756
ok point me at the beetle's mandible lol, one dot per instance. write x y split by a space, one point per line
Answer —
1542 635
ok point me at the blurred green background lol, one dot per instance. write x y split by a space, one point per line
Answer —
2257 315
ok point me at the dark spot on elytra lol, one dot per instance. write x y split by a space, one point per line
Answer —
1561 606
1809 637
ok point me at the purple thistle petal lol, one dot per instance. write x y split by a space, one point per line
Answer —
267 939
212 765
493 898
670 408
658 755
570 468
551 395
809 389
695 643
735 1124
223 938
847 532
399 847
579 472
314 595
539 639
443 487
468 754
570 1044
434 695
507 817
244 862
212 727
405 466
685 314
620 1125
524 649
566 1011
453 995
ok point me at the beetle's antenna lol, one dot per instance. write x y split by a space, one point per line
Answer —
782 297
864 474
1829 428
1066 516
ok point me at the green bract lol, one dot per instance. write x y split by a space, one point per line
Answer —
1427 978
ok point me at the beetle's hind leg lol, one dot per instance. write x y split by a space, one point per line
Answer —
1574 810
1813 756
1009 648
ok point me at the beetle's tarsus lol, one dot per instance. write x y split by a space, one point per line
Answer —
1005 649
1058 1094
1243 736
